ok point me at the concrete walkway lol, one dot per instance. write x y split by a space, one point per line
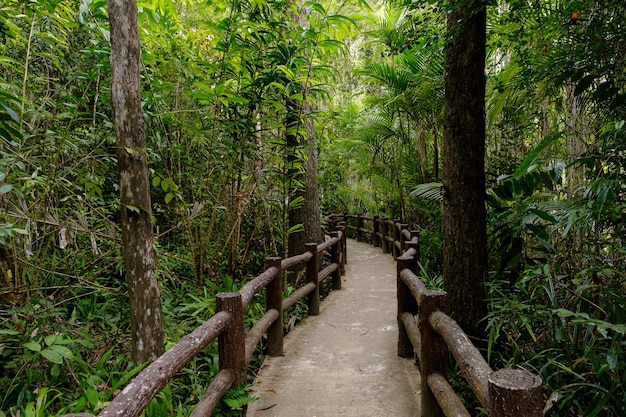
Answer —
343 362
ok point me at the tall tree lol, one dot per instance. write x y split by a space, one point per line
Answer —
136 213
465 235
303 173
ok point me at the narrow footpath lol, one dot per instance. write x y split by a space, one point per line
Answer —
343 362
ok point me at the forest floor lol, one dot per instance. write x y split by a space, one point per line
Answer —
344 362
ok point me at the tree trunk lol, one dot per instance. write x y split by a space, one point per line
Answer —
303 184
136 213
575 141
312 221
465 236
296 211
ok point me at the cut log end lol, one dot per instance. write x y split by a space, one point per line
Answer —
515 392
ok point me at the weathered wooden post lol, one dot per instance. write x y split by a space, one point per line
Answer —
414 234
403 227
344 244
396 238
359 226
335 257
433 350
312 271
274 300
375 237
406 304
514 393
385 232
231 344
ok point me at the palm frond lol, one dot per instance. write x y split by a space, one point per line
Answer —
429 191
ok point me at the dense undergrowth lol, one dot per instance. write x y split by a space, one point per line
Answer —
556 291
66 350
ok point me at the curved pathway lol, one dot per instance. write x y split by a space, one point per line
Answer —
343 362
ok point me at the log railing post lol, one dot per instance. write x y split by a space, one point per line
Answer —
385 232
403 227
359 226
396 238
406 304
515 392
312 274
335 257
408 244
274 300
232 341
433 354
344 245
416 233
376 238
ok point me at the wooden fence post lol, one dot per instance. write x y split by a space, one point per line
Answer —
385 232
312 270
403 227
274 300
376 238
433 354
406 304
515 392
416 233
232 341
408 244
359 226
396 238
335 257
344 245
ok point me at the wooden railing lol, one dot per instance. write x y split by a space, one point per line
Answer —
389 234
427 333
235 344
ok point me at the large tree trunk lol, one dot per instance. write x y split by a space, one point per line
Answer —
312 220
465 236
136 213
303 184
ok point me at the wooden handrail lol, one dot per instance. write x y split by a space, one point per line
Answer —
136 396
227 325
504 393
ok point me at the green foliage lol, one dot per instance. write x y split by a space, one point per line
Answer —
220 80
567 330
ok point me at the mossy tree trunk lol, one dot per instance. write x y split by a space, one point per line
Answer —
136 213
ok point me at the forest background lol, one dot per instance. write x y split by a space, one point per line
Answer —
241 100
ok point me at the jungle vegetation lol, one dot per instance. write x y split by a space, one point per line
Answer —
258 115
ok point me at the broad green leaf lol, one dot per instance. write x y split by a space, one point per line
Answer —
34 346
63 351
50 339
93 396
52 355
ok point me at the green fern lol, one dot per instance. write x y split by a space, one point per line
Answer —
239 397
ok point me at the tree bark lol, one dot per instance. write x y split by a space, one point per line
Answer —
465 236
304 184
307 214
136 213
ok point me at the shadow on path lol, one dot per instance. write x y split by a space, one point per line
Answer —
343 362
